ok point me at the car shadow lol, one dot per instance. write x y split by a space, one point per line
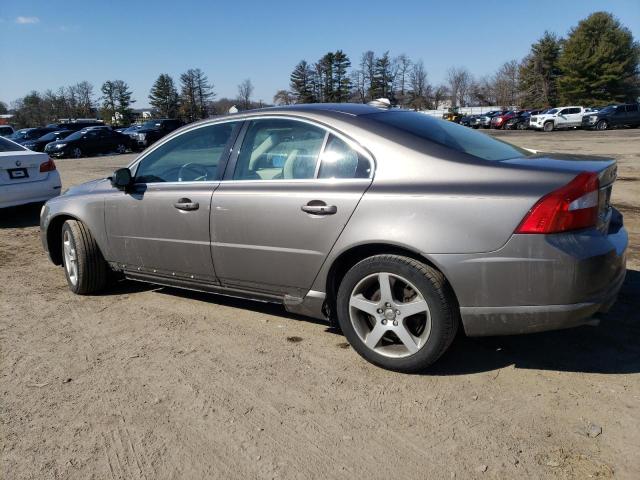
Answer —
612 347
21 217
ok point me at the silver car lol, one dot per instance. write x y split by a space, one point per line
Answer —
394 226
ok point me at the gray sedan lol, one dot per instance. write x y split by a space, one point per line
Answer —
394 226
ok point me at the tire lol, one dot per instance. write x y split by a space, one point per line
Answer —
548 126
76 153
121 148
89 272
521 126
602 125
377 324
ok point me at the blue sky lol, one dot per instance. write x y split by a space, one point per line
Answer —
47 44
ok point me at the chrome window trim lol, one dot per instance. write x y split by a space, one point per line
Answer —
206 123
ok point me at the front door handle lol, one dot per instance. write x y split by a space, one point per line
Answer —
186 204
317 207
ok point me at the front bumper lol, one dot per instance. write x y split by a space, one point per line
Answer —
538 282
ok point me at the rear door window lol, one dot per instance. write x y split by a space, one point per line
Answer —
279 149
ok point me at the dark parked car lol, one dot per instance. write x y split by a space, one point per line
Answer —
154 130
38 144
75 126
395 225
27 134
89 142
470 121
6 130
521 121
613 116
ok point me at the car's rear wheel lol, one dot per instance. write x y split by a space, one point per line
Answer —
602 125
396 312
76 153
84 265
548 127
121 148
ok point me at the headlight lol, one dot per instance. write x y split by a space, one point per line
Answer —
592 119
141 136
61 145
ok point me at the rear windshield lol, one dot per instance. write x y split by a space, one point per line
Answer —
7 146
449 134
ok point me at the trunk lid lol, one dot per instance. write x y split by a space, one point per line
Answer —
22 167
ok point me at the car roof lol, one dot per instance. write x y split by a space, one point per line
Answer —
355 109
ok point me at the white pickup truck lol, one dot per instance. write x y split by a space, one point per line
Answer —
555 118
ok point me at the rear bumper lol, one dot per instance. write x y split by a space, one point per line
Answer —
30 192
537 282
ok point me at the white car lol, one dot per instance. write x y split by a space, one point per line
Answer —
561 117
26 176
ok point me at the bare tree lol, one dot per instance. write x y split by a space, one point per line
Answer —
402 78
440 93
460 81
419 87
505 84
245 90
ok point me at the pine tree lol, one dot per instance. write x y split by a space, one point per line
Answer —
324 68
302 83
196 94
164 96
341 80
599 62
539 73
382 82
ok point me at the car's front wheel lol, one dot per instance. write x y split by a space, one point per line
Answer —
76 153
548 127
602 125
84 266
396 312
121 148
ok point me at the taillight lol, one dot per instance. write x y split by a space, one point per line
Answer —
47 166
571 207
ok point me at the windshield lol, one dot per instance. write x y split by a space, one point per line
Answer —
551 111
76 135
132 128
151 124
7 146
53 136
609 109
20 134
450 135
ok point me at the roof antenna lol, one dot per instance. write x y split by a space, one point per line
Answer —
383 103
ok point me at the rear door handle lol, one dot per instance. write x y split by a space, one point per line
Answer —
186 204
317 207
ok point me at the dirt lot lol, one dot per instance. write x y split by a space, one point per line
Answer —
154 383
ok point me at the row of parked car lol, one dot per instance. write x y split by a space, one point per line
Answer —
603 118
82 138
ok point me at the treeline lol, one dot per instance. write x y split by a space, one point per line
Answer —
190 100
596 64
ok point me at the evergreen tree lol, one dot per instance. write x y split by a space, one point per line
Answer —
302 83
539 73
164 96
324 69
341 80
382 81
599 62
196 94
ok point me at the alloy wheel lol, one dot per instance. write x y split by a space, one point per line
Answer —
70 258
602 125
390 315
121 148
77 153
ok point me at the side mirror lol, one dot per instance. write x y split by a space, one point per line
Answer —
121 178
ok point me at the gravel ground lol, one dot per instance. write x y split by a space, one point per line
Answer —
153 383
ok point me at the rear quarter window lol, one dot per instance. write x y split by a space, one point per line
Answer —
451 135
